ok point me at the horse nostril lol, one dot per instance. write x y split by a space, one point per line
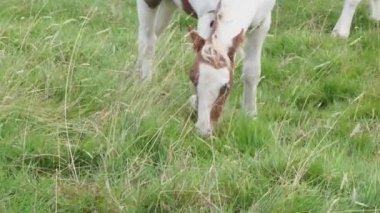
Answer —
206 132
211 23
204 129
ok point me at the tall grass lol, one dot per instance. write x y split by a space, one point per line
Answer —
80 133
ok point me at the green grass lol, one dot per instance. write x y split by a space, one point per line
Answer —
80 133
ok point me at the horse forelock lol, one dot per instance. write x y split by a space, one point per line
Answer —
214 54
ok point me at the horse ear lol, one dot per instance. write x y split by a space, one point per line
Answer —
197 40
238 39
236 43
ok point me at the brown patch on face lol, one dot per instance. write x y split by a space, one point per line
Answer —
198 43
217 108
194 73
152 3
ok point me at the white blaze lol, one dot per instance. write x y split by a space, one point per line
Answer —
210 82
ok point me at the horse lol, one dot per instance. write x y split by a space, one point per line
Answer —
223 27
343 25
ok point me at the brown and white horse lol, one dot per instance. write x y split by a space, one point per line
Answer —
343 26
222 26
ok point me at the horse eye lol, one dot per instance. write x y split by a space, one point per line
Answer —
211 23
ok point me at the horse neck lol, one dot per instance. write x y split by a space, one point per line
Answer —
230 21
224 34
203 7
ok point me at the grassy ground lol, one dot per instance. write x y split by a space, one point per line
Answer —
80 133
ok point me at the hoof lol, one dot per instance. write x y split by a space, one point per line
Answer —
252 115
375 18
339 34
250 110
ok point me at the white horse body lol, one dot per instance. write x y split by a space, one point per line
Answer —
343 26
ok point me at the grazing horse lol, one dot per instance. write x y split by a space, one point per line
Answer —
222 27
343 26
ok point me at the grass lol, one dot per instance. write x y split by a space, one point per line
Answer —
80 133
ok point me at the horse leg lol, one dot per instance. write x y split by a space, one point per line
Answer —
375 10
252 65
147 37
163 16
343 26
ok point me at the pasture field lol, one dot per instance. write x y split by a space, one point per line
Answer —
80 133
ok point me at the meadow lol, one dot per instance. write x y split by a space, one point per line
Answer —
80 133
